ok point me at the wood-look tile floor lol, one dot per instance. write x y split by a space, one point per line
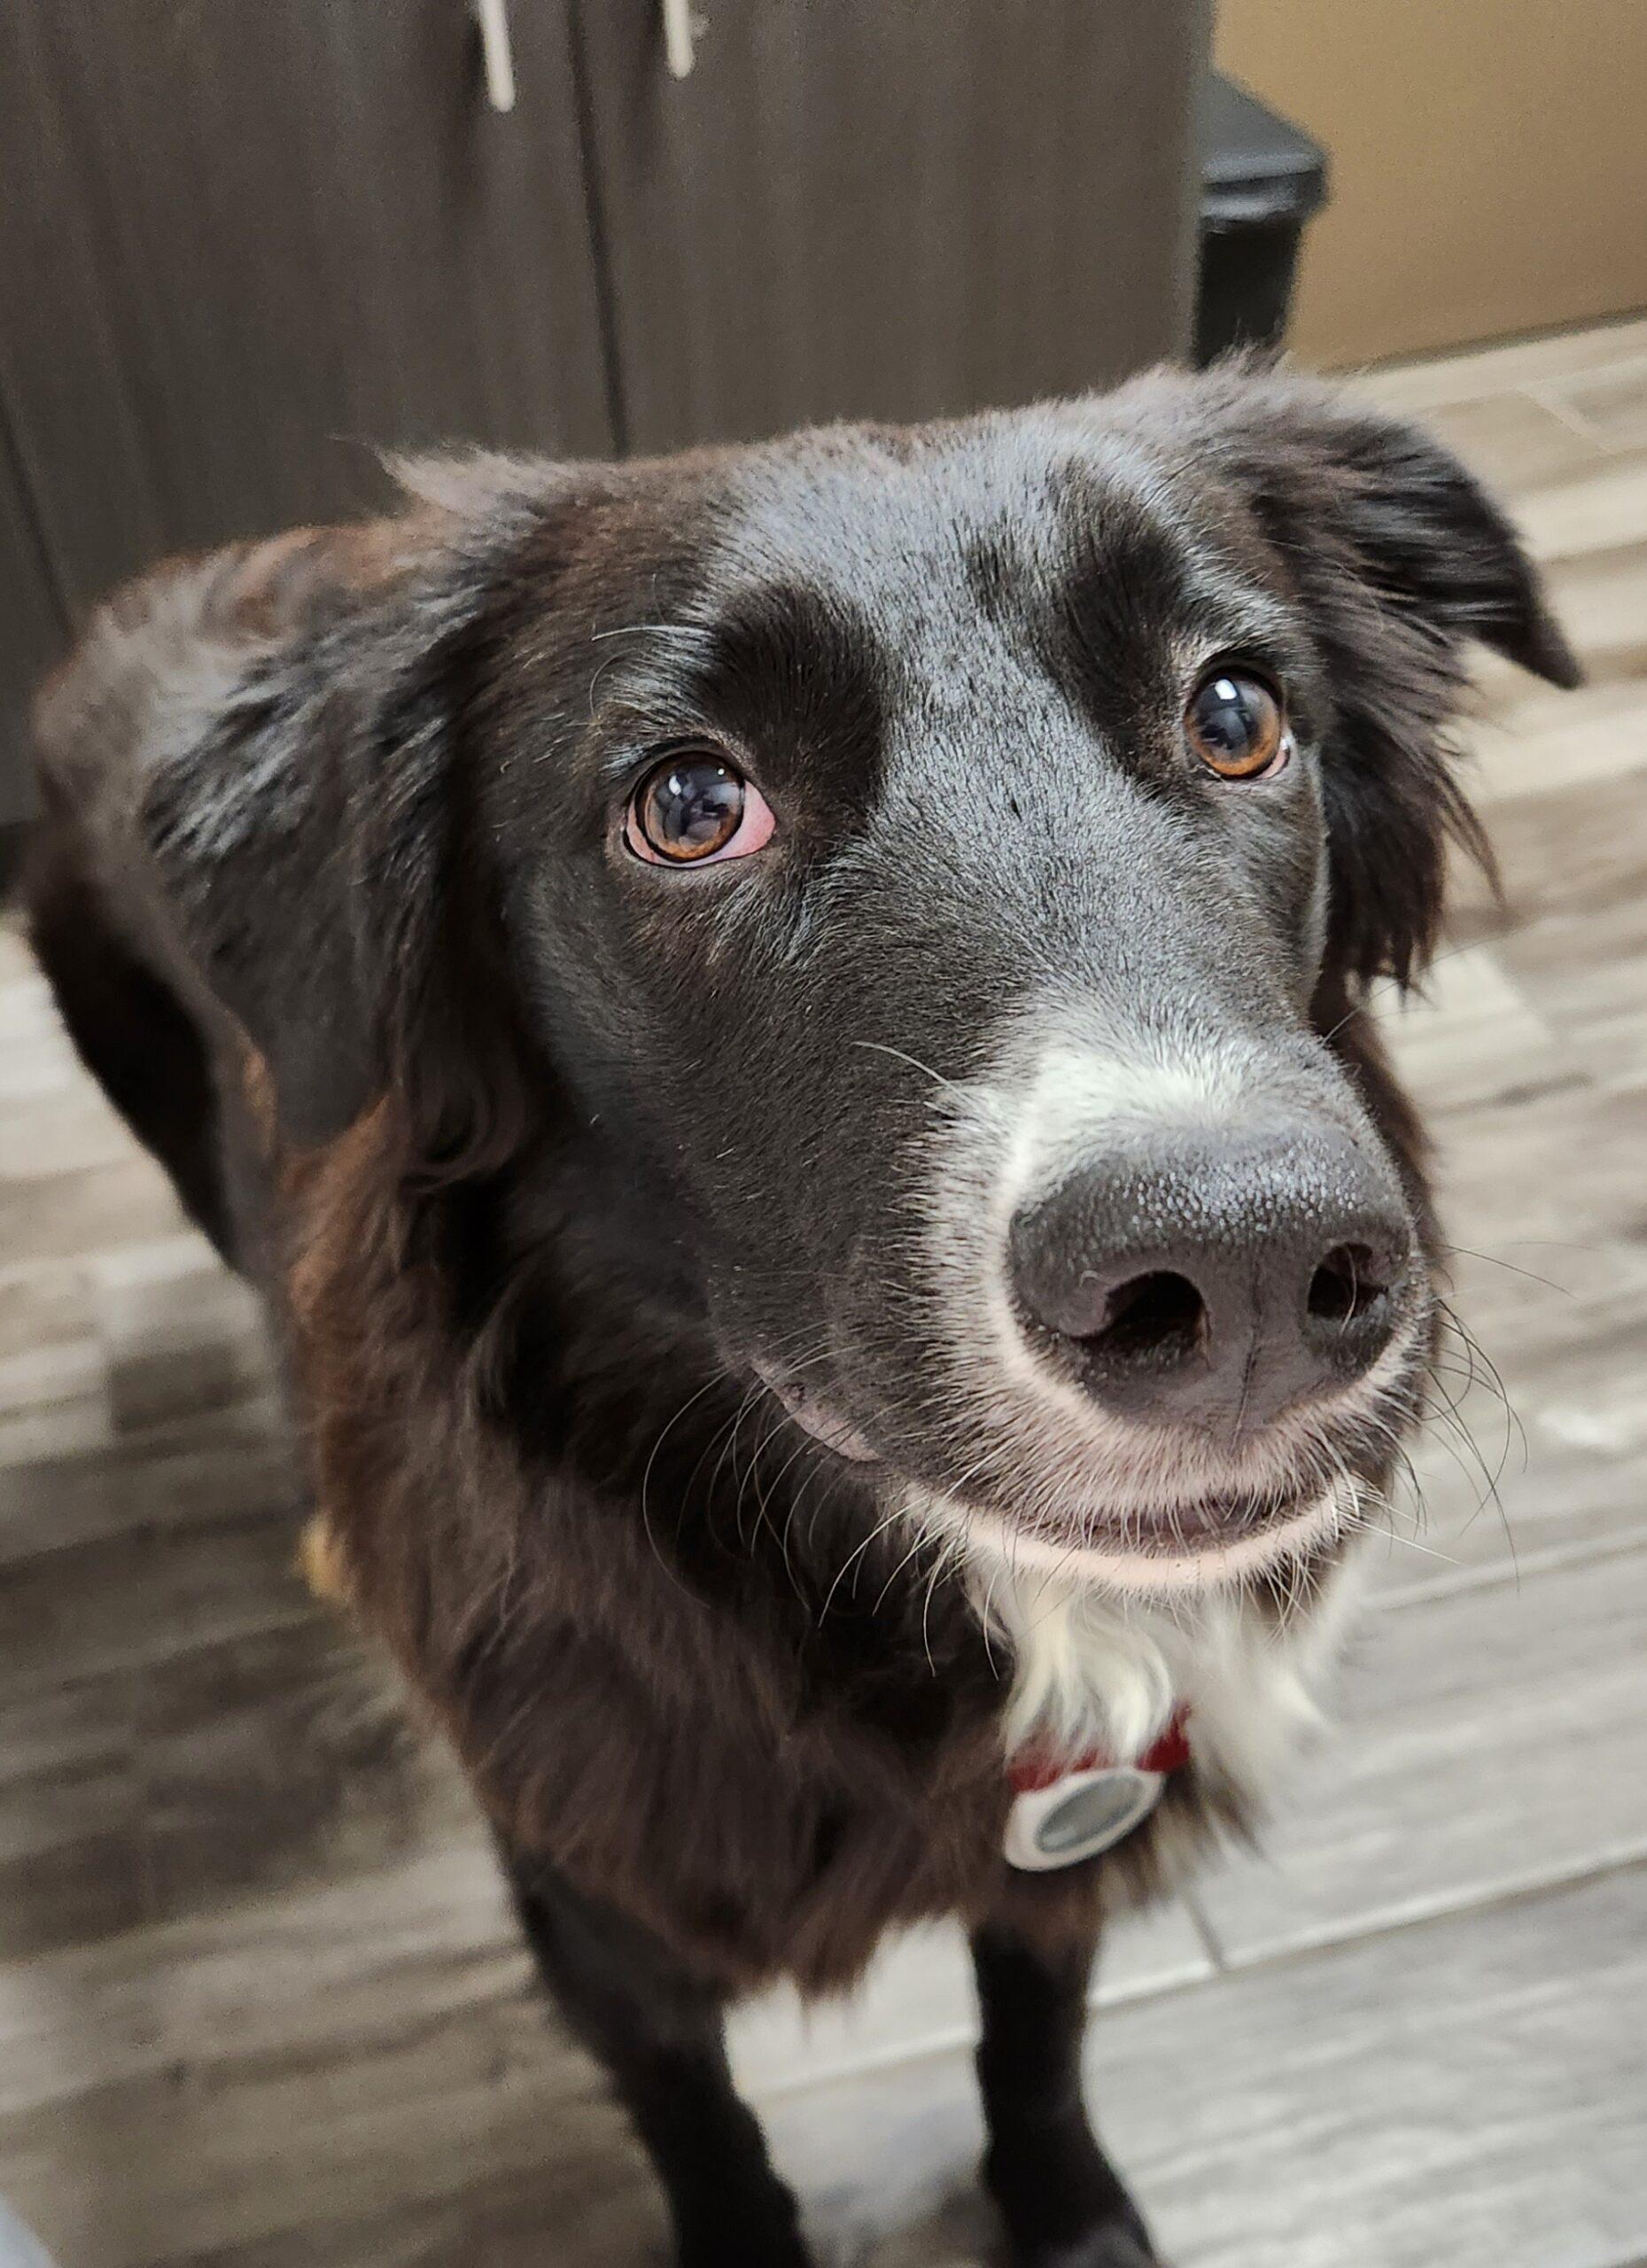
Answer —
259 2000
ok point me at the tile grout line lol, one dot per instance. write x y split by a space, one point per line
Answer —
1555 1558
1204 1932
955 2039
1574 423
1545 393
1519 1893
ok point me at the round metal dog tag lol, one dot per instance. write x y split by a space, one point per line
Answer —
1079 1816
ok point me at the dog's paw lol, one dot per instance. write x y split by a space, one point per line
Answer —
1116 2246
776 2245
1063 2204
737 2253
740 2251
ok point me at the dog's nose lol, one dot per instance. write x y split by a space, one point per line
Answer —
1218 1277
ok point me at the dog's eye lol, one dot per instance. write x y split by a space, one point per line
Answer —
695 807
1235 724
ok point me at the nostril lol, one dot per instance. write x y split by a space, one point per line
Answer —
1158 1317
1350 1284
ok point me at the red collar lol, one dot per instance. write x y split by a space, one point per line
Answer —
1031 1769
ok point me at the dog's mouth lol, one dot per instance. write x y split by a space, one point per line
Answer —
816 1416
1202 1537
1199 1544
1208 1523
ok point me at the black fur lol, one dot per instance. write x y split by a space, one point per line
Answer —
597 1200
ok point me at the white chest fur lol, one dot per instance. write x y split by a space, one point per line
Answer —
1098 1672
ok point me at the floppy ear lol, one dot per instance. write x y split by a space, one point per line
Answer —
1399 558
308 815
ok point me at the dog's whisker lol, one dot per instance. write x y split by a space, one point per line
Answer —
879 1047
1493 1261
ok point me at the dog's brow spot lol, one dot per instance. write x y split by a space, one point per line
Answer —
990 575
796 669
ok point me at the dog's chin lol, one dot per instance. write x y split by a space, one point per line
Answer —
1201 1544
1196 1548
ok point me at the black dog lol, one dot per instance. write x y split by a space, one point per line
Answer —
781 1028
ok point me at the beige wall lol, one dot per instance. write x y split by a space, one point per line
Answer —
1489 162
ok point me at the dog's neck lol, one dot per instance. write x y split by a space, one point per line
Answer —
1246 1666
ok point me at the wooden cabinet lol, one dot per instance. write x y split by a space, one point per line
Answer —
889 208
35 626
241 247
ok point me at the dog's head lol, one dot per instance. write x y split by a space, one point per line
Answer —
922 874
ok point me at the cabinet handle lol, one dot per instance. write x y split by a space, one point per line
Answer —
681 32
497 51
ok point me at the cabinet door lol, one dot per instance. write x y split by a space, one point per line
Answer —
245 243
889 207
33 636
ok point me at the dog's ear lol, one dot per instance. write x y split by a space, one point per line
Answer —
308 810
1399 558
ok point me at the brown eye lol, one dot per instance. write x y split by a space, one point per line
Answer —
695 807
1235 724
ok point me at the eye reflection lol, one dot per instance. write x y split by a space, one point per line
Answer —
695 807
1234 723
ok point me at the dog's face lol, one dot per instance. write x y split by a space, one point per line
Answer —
922 867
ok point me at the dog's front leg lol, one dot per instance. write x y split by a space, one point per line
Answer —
658 2029
1063 2202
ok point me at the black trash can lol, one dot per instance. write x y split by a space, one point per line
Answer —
1262 178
